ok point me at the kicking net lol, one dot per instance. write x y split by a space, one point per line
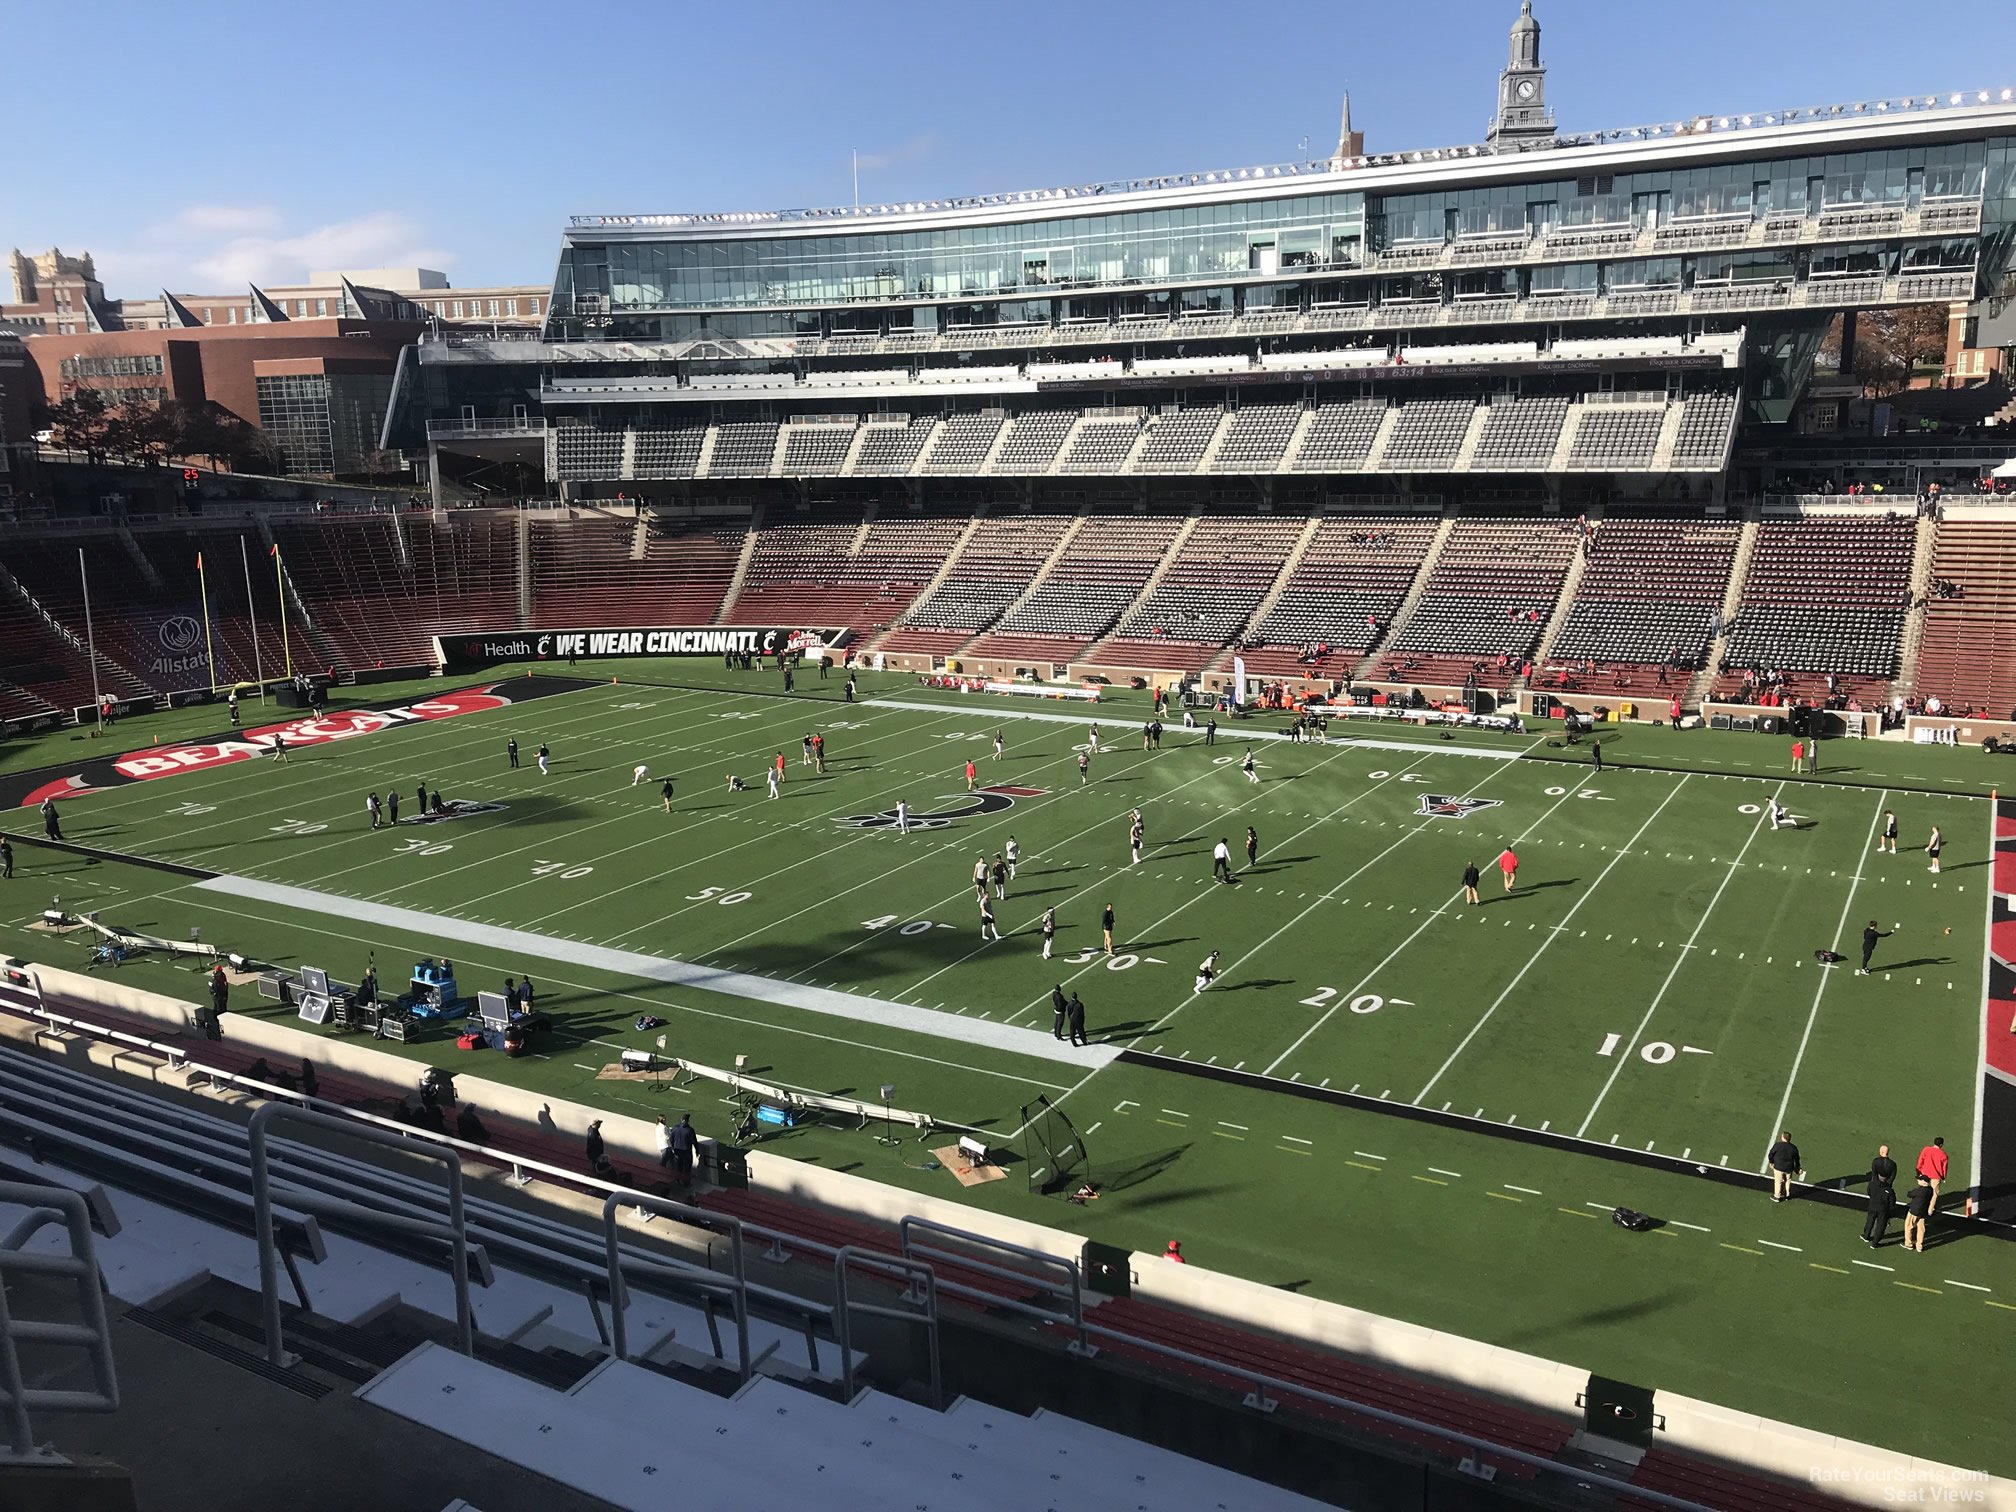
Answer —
1056 1154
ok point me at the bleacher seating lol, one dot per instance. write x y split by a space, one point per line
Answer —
1178 439
1340 436
587 453
1100 444
465 571
1033 441
669 451
128 624
1099 576
743 449
1706 426
1968 657
963 443
1219 576
1256 438
999 561
816 450
1428 434
1353 576
1490 593
892 450
1825 594
1614 436
1648 599
1520 433
42 673
801 570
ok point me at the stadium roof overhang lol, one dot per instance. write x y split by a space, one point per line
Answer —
1703 141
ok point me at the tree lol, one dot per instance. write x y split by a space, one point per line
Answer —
1890 344
82 422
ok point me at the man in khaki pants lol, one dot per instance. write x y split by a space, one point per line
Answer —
1783 1158
1917 1209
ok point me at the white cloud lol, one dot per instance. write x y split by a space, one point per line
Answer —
218 249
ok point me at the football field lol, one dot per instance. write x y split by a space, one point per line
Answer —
1649 982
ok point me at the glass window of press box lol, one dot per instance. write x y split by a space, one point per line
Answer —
1180 244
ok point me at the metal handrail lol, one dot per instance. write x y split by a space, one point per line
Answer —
736 1286
845 1259
45 1206
456 1232
1073 1289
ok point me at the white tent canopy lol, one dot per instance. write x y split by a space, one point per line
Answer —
2006 470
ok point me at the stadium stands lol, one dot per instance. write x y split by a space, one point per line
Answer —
1968 657
998 563
892 449
963 443
816 450
669 452
1343 593
1033 441
743 449
1707 427
1826 596
1427 435
1178 439
1648 599
1340 436
1520 433
1491 591
1611 437
1100 444
1100 574
1257 438
1208 592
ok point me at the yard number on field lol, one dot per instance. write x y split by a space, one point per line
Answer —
298 827
559 869
1562 792
718 896
1365 1002
191 810
418 847
1653 1053
914 927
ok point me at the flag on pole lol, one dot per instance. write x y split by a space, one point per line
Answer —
274 549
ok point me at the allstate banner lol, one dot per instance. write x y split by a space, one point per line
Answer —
1239 680
479 648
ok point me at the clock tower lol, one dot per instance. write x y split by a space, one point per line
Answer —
1522 121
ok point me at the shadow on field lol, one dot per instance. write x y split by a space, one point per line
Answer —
1622 1312
1261 982
1532 887
1133 1029
1144 1170
1921 961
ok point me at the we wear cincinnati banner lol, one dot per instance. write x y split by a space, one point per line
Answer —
477 648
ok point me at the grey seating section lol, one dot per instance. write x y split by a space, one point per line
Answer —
1428 434
1257 438
1001 559
1033 440
587 452
1355 570
1826 594
1178 440
1704 431
669 453
1340 436
1100 446
1617 436
743 449
1492 589
816 450
1520 433
963 443
891 450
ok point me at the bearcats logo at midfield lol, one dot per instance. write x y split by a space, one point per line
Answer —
987 800
1439 806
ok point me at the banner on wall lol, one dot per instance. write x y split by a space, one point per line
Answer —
1239 680
480 648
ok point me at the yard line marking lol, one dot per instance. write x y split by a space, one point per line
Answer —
1529 1191
1362 1166
1776 1245
1368 1155
1293 1140
1624 1055
1534 959
1220 1133
1813 1016
1440 1172
579 1067
2003 1305
1601 1207
1914 1286
1744 1248
1968 1284
1291 1150
1242 1128
1502 1197
1171 1122
1816 1265
1694 1226
1093 1130
1575 1212
1872 1265
1175 1112
1431 1181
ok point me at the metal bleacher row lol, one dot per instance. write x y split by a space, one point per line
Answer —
1417 435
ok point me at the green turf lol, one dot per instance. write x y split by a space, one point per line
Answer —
1653 905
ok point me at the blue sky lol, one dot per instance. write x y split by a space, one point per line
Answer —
215 143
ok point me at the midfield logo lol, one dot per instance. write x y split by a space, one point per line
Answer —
454 808
1440 806
987 800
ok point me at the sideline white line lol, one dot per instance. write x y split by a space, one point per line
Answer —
1679 960
1987 986
1813 1016
1532 960
1230 732
845 1005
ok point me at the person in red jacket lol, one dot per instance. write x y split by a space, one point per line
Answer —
1508 867
1174 1252
1932 1165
